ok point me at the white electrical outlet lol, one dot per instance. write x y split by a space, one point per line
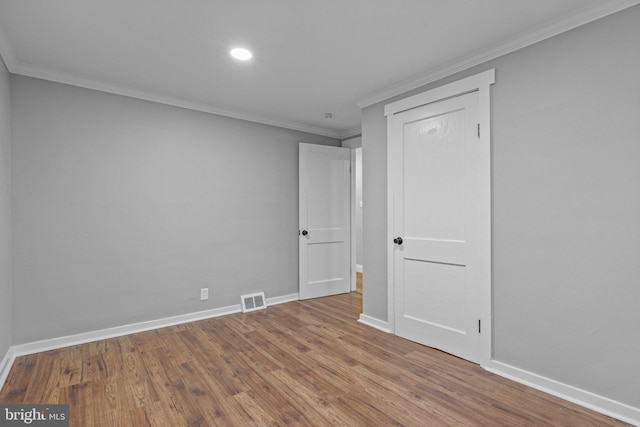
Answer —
204 294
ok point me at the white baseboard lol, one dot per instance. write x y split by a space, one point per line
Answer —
374 323
67 341
5 365
118 331
601 404
359 268
283 299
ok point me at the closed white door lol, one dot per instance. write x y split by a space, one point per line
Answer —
325 220
434 154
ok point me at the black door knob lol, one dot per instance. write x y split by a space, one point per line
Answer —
305 232
397 240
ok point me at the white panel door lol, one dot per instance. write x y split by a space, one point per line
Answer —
434 163
325 220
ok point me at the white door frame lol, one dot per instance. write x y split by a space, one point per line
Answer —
353 144
479 82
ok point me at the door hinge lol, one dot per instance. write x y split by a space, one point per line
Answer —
478 130
479 326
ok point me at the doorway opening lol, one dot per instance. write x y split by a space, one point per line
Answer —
357 207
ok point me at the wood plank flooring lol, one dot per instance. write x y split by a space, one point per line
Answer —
304 363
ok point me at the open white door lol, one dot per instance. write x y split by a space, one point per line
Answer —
325 223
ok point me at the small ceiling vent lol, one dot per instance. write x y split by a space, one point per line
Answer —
253 302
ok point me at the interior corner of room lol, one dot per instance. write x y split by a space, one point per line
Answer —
115 212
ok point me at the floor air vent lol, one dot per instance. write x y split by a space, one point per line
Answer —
253 302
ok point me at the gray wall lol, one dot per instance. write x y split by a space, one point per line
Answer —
5 212
566 207
374 220
124 209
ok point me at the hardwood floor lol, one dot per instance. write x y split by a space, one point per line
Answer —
304 363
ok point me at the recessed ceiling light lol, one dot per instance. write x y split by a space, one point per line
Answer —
241 54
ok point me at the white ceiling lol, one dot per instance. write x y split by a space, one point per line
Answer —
311 57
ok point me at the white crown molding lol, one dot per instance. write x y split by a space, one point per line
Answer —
351 133
16 67
587 399
600 10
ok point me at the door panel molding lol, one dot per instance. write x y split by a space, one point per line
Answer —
481 83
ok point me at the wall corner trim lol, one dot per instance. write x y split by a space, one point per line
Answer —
587 399
374 323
